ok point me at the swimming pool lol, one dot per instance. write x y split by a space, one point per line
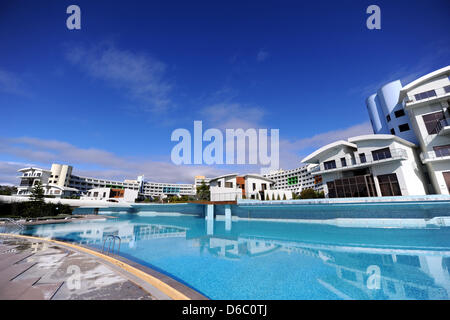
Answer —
277 260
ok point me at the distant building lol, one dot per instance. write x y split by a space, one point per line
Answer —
231 187
296 180
198 180
110 194
60 182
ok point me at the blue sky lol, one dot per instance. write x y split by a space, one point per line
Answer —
106 98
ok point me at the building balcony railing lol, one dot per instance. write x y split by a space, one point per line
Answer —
443 126
439 93
441 154
362 161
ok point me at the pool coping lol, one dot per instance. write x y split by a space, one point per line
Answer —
168 286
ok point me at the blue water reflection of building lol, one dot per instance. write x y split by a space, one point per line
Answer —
335 259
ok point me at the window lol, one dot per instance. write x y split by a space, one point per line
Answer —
425 95
389 185
329 165
254 186
393 131
357 186
447 89
343 162
442 151
362 157
228 184
399 113
388 118
403 127
431 121
381 154
219 184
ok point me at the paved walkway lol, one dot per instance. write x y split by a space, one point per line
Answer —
39 270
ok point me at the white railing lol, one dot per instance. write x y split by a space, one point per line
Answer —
393 154
225 196
441 91
433 155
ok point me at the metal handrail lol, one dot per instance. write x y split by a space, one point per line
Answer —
438 91
112 239
369 158
435 154
16 223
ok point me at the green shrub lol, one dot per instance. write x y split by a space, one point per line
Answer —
308 194
33 209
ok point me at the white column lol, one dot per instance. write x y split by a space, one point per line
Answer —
209 212
209 227
227 217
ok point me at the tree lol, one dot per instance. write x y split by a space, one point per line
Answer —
7 190
37 193
308 194
284 196
278 197
320 194
203 192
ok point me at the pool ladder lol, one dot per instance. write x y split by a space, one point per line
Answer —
111 238
17 224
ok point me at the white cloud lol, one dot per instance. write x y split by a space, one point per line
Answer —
141 76
109 164
229 115
292 152
8 172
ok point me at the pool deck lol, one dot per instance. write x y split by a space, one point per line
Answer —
42 269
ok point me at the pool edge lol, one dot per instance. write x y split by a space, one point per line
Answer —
175 290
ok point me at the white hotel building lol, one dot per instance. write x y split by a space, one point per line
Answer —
409 152
60 182
296 180
231 187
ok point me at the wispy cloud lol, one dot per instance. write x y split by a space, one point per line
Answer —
407 73
106 164
8 172
141 76
12 84
232 115
291 152
262 55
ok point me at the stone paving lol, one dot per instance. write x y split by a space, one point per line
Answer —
39 270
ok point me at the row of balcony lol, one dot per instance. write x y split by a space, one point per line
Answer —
438 93
440 154
362 160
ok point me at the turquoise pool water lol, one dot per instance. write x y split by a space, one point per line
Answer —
277 260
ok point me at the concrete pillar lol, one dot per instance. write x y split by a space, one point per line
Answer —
377 186
227 217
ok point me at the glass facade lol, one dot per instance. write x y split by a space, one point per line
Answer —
352 187
432 121
389 185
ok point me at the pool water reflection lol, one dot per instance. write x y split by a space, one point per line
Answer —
277 260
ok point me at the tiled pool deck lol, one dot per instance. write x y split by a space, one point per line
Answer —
33 269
